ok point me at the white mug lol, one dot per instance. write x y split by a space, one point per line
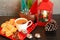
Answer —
23 27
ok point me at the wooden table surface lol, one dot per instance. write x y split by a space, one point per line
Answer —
44 35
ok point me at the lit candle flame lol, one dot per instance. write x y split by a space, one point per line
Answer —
44 13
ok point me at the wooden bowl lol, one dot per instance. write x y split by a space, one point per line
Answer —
29 16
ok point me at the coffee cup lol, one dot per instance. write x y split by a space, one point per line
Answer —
22 24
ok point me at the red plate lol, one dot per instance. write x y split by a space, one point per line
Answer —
20 34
